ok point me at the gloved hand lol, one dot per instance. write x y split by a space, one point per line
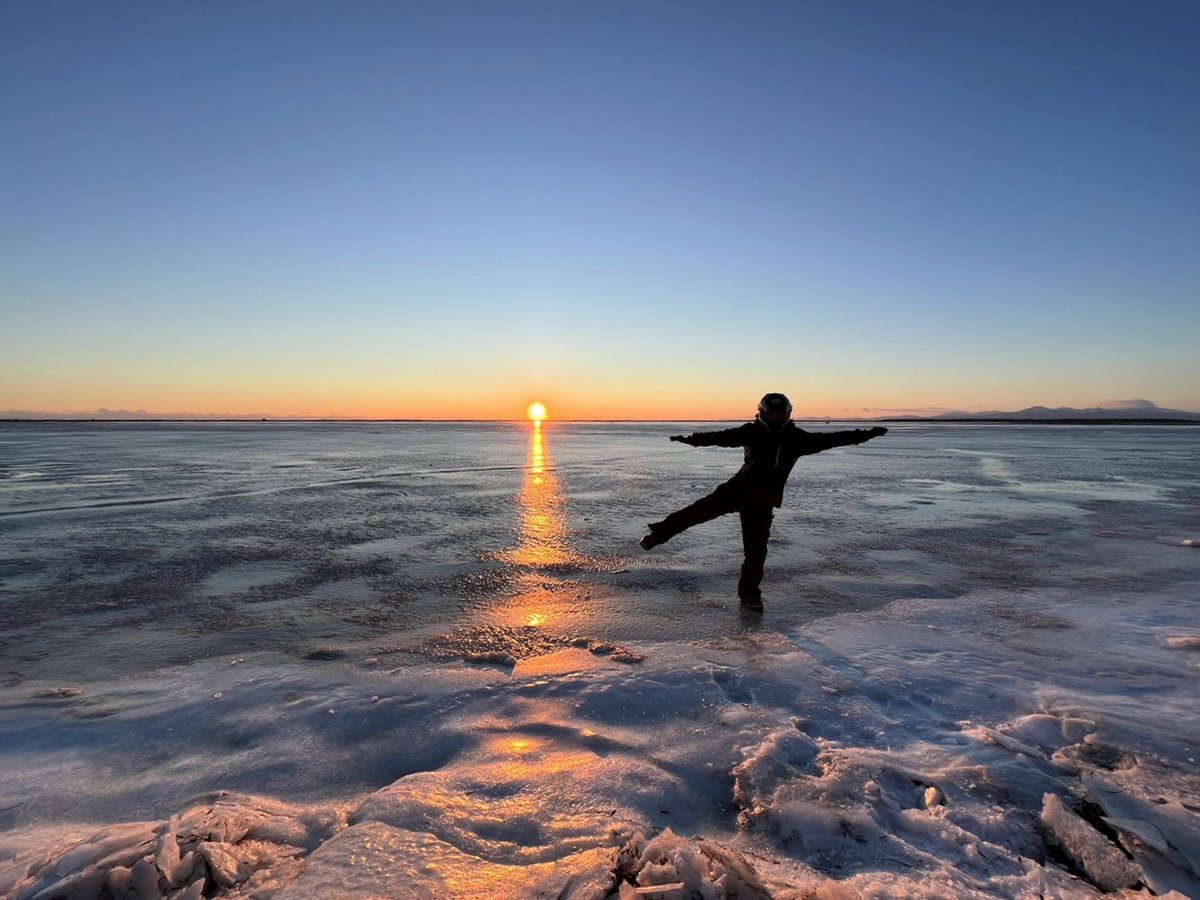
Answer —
681 438
877 431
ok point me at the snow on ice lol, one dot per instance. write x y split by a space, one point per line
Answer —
931 748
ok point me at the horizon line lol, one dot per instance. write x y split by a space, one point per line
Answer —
968 418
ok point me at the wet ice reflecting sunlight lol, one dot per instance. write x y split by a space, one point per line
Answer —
542 529
543 548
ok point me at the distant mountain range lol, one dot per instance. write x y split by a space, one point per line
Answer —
1125 410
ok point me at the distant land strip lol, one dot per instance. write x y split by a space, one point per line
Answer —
997 420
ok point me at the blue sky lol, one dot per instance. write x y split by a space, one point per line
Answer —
643 209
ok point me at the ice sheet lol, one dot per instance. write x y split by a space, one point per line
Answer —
265 691
906 749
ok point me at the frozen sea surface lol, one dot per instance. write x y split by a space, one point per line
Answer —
378 659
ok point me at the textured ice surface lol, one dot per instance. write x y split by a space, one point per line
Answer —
431 661
1099 859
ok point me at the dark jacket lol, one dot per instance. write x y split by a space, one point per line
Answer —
771 455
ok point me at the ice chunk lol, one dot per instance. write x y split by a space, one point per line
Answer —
933 796
274 875
652 889
1168 827
135 839
1182 642
85 883
193 891
227 869
1048 732
145 860
118 880
696 868
997 738
185 869
166 851
145 880
229 818
1101 861
782 756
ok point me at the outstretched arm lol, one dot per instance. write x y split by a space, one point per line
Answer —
816 442
729 437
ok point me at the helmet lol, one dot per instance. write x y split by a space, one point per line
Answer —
774 411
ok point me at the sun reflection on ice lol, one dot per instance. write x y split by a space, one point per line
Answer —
548 600
542 528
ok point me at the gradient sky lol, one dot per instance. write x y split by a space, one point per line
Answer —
625 209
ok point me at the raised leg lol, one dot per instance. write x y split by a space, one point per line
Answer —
725 499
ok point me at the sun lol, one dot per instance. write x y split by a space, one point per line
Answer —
537 411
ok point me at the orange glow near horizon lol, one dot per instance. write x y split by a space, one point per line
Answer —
570 402
570 399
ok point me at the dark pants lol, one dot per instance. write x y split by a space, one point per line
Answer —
756 514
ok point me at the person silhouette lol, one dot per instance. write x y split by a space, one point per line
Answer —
772 443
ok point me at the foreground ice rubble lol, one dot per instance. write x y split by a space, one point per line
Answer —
931 749
249 845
